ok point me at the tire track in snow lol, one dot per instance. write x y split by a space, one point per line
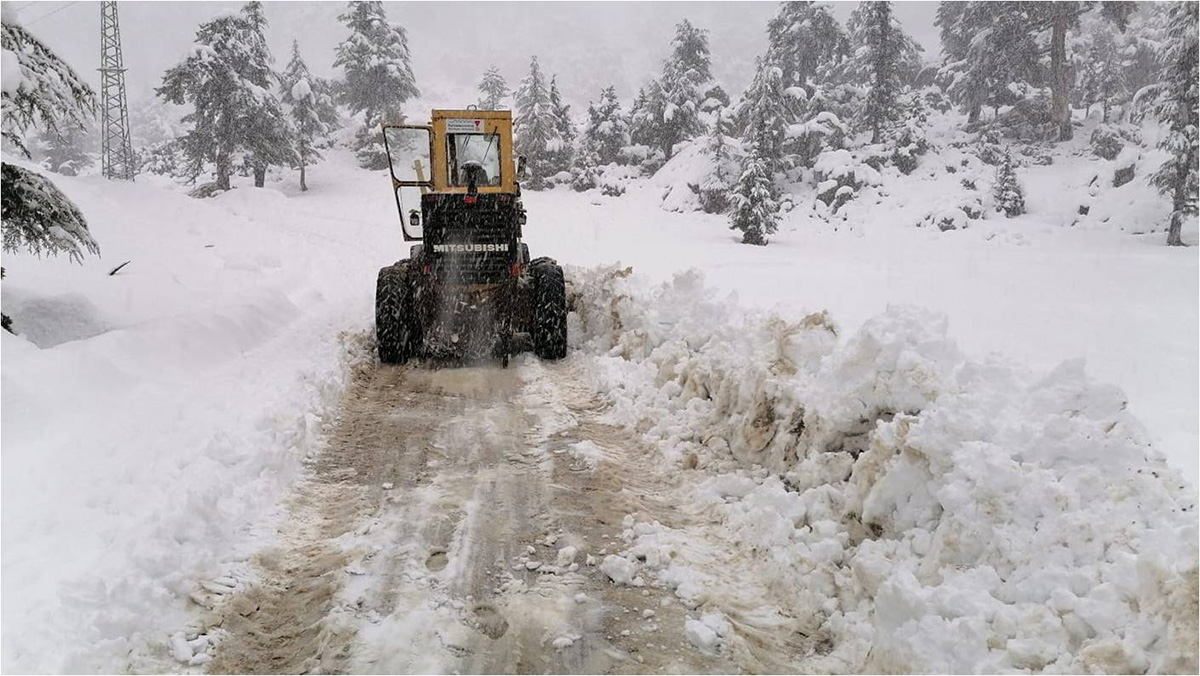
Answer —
429 534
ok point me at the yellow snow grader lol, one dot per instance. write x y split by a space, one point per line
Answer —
469 289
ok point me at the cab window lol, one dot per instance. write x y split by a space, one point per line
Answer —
474 153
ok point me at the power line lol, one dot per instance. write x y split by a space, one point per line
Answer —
48 14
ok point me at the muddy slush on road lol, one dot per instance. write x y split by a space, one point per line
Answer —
457 521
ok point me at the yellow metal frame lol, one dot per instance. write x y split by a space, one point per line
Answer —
497 122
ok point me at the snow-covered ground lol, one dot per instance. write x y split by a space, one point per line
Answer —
153 418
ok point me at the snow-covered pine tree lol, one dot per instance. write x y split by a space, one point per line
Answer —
1102 71
1178 106
806 42
687 76
607 131
1142 44
39 218
767 109
68 152
534 127
267 131
303 106
755 210
41 90
227 80
562 149
645 118
377 75
884 60
164 158
715 188
1007 193
1061 18
585 173
987 47
492 90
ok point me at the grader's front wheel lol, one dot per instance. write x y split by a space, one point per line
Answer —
393 314
549 310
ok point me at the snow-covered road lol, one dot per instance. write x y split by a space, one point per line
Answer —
458 521
205 437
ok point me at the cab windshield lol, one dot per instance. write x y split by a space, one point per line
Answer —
474 153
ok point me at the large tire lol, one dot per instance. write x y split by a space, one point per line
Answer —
549 310
393 314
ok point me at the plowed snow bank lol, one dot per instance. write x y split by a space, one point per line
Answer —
923 511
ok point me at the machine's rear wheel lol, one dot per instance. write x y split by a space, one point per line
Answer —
393 314
549 310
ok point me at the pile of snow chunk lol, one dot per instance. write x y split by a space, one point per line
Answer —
924 511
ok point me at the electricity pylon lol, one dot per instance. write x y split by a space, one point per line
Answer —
116 153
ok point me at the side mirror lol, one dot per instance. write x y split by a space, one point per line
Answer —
414 218
522 169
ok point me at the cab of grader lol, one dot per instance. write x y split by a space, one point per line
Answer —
469 289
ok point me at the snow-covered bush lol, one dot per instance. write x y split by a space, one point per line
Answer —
165 158
1027 120
585 175
1106 142
700 175
1007 193
615 178
840 173
824 131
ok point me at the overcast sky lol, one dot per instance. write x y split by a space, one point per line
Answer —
589 45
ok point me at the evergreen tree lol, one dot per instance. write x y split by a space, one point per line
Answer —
988 47
1102 72
39 90
755 211
304 112
606 132
377 75
1007 193
534 128
806 43
883 62
768 110
39 218
165 158
685 81
585 173
1178 106
268 134
714 190
645 118
68 152
46 94
228 81
1062 17
1141 46
492 90
563 146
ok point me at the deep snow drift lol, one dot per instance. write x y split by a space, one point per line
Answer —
925 512
154 417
